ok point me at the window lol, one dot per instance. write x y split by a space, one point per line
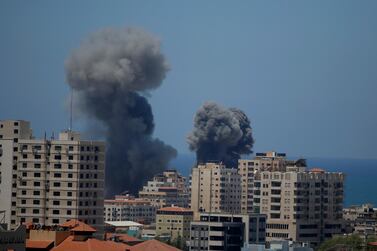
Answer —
69 194
36 202
57 166
56 184
58 148
24 165
56 203
57 175
35 211
37 174
24 174
69 184
35 220
69 212
24 156
15 123
70 148
70 157
37 165
37 193
15 131
70 175
23 192
55 221
37 184
56 193
55 212
58 157
70 166
37 156
69 203
23 210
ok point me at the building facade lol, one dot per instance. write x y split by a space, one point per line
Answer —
11 132
174 223
269 161
215 188
300 206
218 231
126 208
166 189
54 180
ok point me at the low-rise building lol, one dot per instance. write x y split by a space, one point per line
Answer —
218 231
12 239
166 189
174 223
126 208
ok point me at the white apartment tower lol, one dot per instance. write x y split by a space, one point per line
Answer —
55 180
215 188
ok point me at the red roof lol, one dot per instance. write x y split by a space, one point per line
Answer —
173 209
152 245
78 226
372 243
89 245
38 244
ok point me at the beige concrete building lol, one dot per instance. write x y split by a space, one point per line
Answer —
166 189
54 180
126 208
269 161
11 131
303 206
174 222
215 188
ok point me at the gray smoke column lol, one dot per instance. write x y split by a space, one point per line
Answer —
220 134
112 72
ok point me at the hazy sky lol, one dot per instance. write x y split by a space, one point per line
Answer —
305 72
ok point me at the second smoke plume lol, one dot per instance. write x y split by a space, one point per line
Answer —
111 71
220 134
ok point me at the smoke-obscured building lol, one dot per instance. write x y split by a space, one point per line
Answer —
53 180
218 231
215 188
303 206
126 208
166 189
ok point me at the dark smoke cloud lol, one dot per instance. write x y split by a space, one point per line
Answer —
220 134
112 71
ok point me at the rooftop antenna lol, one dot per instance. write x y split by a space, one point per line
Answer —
70 112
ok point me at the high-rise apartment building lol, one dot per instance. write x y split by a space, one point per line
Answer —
126 208
303 206
269 161
53 180
215 188
11 131
166 189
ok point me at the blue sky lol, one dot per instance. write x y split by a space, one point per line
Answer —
305 72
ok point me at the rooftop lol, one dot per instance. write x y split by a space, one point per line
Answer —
89 245
78 226
173 209
153 245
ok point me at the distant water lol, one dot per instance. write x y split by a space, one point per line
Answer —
361 175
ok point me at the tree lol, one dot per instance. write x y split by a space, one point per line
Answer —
350 242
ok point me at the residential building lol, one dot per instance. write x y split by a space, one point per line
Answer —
362 220
302 206
174 222
215 188
126 208
269 161
166 189
52 180
219 231
11 131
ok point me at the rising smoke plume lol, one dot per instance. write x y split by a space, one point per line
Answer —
112 71
220 134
